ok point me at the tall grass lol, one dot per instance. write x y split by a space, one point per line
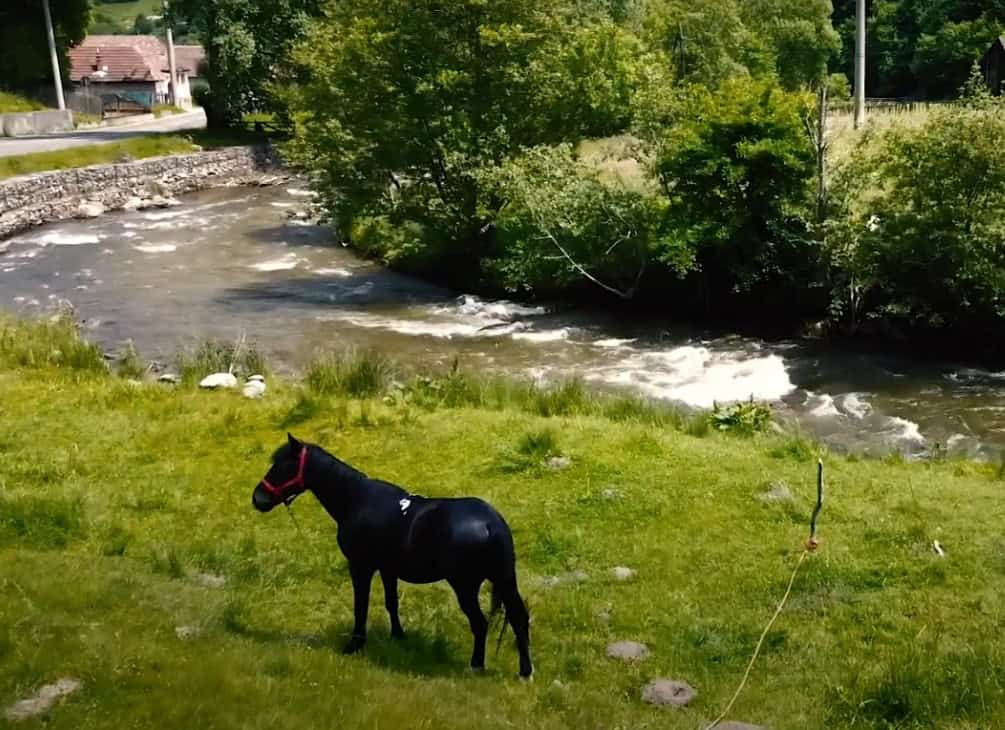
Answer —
47 343
368 374
364 374
215 356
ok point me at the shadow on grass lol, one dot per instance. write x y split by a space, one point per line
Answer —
418 654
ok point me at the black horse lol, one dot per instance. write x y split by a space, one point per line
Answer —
382 528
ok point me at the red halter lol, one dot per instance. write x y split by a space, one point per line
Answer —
282 491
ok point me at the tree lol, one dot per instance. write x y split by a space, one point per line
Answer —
711 40
410 104
248 45
24 53
737 171
919 47
921 225
562 225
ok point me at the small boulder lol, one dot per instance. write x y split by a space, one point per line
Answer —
622 573
187 632
44 699
169 378
132 203
611 494
668 692
254 387
778 492
218 380
627 651
210 580
90 209
558 463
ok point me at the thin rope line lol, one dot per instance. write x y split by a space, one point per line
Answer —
760 642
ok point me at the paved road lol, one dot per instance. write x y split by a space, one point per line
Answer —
63 140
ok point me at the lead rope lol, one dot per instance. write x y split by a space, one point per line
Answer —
289 511
811 546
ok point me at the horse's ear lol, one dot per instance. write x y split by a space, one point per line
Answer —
293 441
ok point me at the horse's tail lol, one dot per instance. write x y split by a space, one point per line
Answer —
496 606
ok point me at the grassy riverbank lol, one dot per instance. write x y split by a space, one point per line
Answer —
122 504
136 148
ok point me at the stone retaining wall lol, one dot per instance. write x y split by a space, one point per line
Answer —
18 124
33 200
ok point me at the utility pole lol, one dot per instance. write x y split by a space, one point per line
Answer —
57 77
859 64
172 69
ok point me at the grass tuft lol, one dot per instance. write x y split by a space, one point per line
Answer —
214 356
40 522
53 343
130 365
354 374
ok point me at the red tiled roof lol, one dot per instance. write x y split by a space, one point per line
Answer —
124 57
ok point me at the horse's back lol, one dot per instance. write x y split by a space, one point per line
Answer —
458 538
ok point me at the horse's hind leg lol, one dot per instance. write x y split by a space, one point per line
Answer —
391 603
467 596
519 619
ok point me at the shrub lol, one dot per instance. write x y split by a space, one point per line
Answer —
919 221
740 418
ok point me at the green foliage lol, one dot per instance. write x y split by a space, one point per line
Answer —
24 50
248 45
920 212
740 418
712 40
14 103
919 47
410 107
736 169
561 224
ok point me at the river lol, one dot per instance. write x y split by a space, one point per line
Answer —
230 260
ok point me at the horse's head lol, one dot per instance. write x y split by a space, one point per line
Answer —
284 481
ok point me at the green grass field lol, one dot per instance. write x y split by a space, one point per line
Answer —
118 498
127 12
153 145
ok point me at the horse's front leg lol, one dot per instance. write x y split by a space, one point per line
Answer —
361 579
391 603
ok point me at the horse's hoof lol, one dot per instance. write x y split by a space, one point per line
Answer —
398 635
353 647
527 677
476 670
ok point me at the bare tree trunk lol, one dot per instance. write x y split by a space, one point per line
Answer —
821 145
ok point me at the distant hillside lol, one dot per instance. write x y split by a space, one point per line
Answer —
133 16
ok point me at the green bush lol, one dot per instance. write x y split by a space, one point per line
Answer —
736 170
919 220
740 418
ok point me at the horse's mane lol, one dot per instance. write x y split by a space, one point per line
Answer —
344 471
